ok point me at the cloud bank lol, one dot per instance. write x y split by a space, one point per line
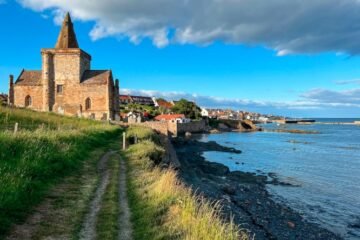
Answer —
316 99
288 27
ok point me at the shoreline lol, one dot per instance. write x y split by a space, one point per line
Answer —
243 195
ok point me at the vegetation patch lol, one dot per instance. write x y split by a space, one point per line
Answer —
46 148
141 134
163 208
108 225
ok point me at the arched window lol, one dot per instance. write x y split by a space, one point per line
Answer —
28 101
88 104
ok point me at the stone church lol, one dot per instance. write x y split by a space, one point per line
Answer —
66 84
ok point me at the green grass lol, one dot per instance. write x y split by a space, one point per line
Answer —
108 225
163 208
142 134
37 157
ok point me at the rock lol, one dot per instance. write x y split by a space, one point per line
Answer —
248 125
237 163
223 127
214 131
214 168
291 224
229 189
227 198
188 134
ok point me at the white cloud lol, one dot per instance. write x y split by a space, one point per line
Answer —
288 27
346 82
347 98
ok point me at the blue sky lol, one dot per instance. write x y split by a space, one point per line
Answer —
296 69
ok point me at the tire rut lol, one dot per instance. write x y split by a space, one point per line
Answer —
125 226
88 231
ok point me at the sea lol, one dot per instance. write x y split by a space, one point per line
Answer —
323 168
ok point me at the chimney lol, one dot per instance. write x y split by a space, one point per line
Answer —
11 90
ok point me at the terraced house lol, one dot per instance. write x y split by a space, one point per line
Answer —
66 84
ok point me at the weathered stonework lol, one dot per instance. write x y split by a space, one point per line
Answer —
66 84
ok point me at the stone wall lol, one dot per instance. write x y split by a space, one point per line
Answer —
160 127
166 128
192 127
35 92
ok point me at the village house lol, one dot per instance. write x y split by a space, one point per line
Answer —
175 118
66 84
163 104
128 99
204 112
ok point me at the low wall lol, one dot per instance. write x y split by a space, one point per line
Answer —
192 127
160 127
167 128
170 156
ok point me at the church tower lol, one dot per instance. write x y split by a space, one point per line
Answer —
62 67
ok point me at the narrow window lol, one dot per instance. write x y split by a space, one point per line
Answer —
88 104
59 89
28 101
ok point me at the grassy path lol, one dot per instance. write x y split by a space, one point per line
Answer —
125 224
88 231
60 215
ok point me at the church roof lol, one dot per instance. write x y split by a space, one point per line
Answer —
29 78
96 77
67 37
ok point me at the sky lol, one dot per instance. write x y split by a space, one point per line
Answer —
292 58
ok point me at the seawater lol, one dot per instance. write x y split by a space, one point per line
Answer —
325 167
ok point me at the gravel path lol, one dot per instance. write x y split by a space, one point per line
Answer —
125 225
88 231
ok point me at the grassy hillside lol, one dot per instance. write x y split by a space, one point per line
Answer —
46 148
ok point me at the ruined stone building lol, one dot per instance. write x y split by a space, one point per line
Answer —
66 84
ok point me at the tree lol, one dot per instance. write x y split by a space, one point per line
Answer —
189 109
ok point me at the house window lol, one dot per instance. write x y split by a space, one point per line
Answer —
59 89
28 101
88 104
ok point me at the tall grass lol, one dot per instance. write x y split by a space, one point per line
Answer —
36 157
141 133
163 208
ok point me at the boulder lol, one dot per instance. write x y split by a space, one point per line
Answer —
223 127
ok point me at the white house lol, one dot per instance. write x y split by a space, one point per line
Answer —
204 112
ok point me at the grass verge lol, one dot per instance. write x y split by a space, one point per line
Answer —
163 208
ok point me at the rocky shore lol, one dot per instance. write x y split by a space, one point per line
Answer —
243 195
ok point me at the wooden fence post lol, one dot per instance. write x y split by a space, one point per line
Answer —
16 128
124 140
136 139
